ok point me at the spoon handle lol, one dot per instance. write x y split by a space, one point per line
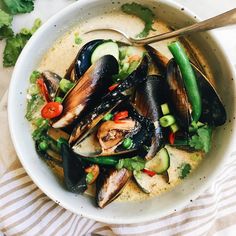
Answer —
224 19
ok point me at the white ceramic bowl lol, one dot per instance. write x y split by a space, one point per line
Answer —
131 212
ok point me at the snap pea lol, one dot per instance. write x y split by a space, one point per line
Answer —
189 78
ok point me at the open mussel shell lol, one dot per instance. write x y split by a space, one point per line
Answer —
108 102
150 95
177 95
107 137
110 184
51 81
74 173
88 91
213 110
83 60
158 59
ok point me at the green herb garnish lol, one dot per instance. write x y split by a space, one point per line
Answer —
33 105
15 44
202 140
143 13
185 170
78 40
5 22
134 163
19 6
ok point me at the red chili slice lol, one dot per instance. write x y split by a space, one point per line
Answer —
149 172
172 138
51 110
43 89
120 115
112 87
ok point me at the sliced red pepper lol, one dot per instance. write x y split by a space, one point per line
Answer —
120 115
112 87
172 138
149 172
43 88
51 110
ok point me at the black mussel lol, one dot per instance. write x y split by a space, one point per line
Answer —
74 173
82 61
51 81
88 91
107 137
178 99
213 110
150 95
87 124
109 101
110 184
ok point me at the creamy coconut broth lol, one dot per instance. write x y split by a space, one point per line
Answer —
59 58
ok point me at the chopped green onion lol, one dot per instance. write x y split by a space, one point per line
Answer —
107 117
165 109
38 122
58 99
174 128
65 85
43 146
167 120
37 24
25 31
127 143
125 66
89 177
133 66
33 89
34 76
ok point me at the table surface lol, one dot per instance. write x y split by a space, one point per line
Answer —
44 9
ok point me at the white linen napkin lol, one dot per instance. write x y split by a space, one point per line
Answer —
26 210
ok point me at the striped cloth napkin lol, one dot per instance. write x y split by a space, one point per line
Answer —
26 210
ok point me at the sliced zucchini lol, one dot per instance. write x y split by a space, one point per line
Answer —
160 163
143 181
107 48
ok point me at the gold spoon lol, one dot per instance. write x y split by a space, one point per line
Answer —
224 19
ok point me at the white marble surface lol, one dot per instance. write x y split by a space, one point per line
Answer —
203 8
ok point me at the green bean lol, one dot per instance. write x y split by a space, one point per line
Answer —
189 78
111 161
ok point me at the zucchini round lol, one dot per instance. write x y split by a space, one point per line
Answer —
160 162
107 48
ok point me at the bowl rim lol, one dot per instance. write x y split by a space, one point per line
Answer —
11 119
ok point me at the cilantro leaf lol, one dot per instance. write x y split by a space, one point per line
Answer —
202 140
134 163
6 32
13 49
15 44
19 6
5 19
185 170
143 13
